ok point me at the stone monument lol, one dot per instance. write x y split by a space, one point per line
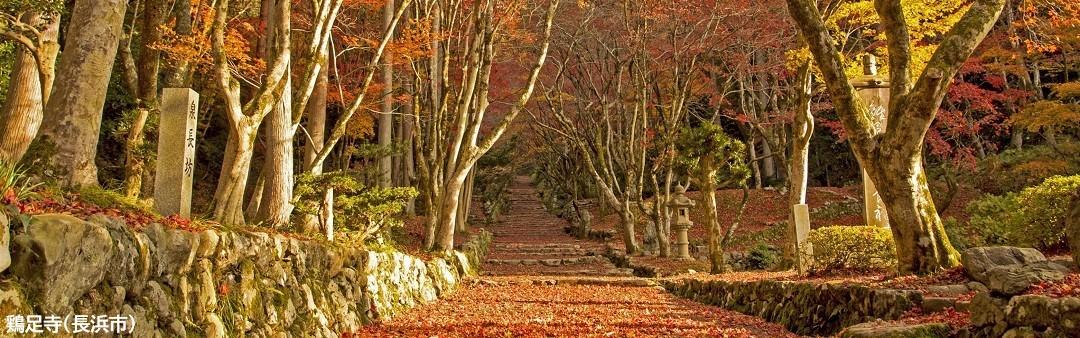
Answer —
176 151
874 91
803 251
682 205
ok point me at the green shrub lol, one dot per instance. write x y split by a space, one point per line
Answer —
360 211
1043 209
1035 217
961 237
863 248
762 257
993 219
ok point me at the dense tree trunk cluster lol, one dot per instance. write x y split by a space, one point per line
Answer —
416 96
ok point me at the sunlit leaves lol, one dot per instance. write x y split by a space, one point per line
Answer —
1061 111
1047 114
240 35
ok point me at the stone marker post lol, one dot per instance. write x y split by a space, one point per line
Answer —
874 91
176 151
803 251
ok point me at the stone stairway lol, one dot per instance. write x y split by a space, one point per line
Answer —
530 246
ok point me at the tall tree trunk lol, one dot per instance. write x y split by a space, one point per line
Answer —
466 202
316 131
666 213
448 213
254 195
629 232
30 83
276 203
229 198
408 160
74 112
802 130
386 118
244 118
22 111
276 206
768 162
179 75
433 198
147 93
754 164
716 236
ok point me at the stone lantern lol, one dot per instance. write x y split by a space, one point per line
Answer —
682 205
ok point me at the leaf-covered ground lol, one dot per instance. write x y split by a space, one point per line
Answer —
519 295
570 311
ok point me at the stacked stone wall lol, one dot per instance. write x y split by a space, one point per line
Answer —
804 308
216 283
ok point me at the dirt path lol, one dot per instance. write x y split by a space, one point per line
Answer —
539 281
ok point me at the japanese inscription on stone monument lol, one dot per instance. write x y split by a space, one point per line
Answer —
176 151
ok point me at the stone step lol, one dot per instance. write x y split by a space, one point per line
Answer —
550 261
593 281
524 245
597 272
548 251
538 255
614 272
931 304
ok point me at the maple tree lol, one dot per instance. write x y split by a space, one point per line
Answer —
629 74
893 158
449 132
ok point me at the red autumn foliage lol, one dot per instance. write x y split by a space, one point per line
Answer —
955 319
914 282
71 204
1068 287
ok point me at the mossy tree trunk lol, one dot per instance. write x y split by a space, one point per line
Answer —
74 111
893 157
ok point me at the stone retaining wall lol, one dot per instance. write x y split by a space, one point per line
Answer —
804 308
218 283
1023 316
